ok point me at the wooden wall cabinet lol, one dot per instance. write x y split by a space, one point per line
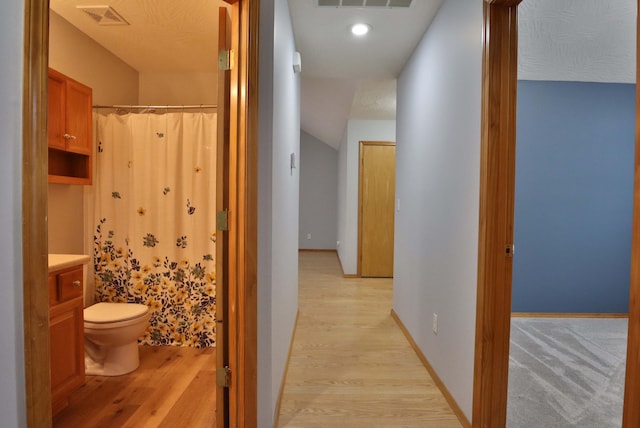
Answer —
69 130
66 330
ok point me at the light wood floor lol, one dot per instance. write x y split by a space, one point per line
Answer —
351 366
173 387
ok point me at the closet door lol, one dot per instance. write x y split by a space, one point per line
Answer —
376 213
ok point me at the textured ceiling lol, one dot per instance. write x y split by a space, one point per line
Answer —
163 35
374 100
577 40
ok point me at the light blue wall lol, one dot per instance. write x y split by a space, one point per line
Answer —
12 387
278 188
437 188
318 194
574 196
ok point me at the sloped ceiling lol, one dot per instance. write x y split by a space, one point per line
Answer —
325 107
327 104
348 77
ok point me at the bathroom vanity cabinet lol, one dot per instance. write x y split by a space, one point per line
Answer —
69 134
66 332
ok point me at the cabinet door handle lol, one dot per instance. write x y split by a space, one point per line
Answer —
76 283
69 137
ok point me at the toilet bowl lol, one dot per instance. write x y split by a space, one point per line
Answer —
111 332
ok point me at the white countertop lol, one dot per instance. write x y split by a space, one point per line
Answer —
63 261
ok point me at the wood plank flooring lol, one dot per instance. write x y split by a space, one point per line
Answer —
173 387
350 365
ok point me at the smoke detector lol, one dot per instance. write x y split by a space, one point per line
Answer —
103 15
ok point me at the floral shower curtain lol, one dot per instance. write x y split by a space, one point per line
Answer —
154 236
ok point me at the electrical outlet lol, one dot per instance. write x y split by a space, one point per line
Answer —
308 236
337 243
435 323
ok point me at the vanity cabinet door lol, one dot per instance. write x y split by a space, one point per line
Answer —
66 332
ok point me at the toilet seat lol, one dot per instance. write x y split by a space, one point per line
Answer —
107 313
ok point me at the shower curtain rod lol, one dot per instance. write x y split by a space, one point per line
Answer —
160 107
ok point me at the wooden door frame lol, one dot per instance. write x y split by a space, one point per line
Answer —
360 171
243 206
497 178
631 410
34 214
243 217
222 203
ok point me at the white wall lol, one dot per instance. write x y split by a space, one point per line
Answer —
12 389
279 136
437 182
318 194
348 184
178 88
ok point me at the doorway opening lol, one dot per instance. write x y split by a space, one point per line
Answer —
242 172
496 236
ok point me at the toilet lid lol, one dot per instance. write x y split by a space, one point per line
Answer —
113 312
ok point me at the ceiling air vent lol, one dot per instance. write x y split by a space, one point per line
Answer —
103 15
364 3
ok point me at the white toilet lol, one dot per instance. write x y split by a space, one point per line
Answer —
111 332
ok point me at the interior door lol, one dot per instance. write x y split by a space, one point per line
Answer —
222 204
377 202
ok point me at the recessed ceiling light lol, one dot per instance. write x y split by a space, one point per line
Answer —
360 29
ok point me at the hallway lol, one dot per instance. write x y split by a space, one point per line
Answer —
350 365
